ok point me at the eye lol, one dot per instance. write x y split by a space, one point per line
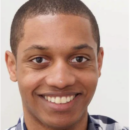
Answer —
79 59
39 60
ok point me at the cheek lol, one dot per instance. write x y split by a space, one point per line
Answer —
88 78
28 81
89 82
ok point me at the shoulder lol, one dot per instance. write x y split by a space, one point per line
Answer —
12 128
107 123
19 125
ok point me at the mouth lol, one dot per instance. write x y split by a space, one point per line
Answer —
60 102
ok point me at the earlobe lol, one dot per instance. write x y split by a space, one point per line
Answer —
11 65
100 60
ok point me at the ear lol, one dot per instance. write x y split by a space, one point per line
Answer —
11 65
100 60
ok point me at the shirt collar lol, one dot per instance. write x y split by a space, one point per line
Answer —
21 124
93 124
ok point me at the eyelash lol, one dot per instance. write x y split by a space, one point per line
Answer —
34 60
83 58
45 61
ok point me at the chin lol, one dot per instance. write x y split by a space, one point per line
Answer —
60 125
62 122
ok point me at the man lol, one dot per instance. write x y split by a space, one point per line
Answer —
57 59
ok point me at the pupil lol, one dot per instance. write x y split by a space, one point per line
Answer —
39 59
79 58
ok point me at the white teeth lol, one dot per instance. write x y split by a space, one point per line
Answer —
72 97
46 97
49 98
60 100
68 99
63 100
52 99
57 100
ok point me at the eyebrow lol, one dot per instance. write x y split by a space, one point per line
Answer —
39 47
83 46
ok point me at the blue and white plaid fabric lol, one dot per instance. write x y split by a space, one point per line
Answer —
95 122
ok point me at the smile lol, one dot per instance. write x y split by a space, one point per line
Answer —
60 100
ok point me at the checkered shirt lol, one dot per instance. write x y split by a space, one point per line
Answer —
95 122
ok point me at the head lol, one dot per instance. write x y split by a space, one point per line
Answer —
56 55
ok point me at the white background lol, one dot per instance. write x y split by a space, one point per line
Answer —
111 98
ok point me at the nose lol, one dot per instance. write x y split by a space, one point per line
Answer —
60 76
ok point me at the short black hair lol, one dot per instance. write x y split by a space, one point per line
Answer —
33 8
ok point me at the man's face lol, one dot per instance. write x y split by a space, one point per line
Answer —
57 60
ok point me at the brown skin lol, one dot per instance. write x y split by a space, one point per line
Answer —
60 34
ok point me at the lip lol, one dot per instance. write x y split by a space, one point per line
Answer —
60 94
61 107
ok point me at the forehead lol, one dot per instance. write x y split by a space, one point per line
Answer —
57 31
